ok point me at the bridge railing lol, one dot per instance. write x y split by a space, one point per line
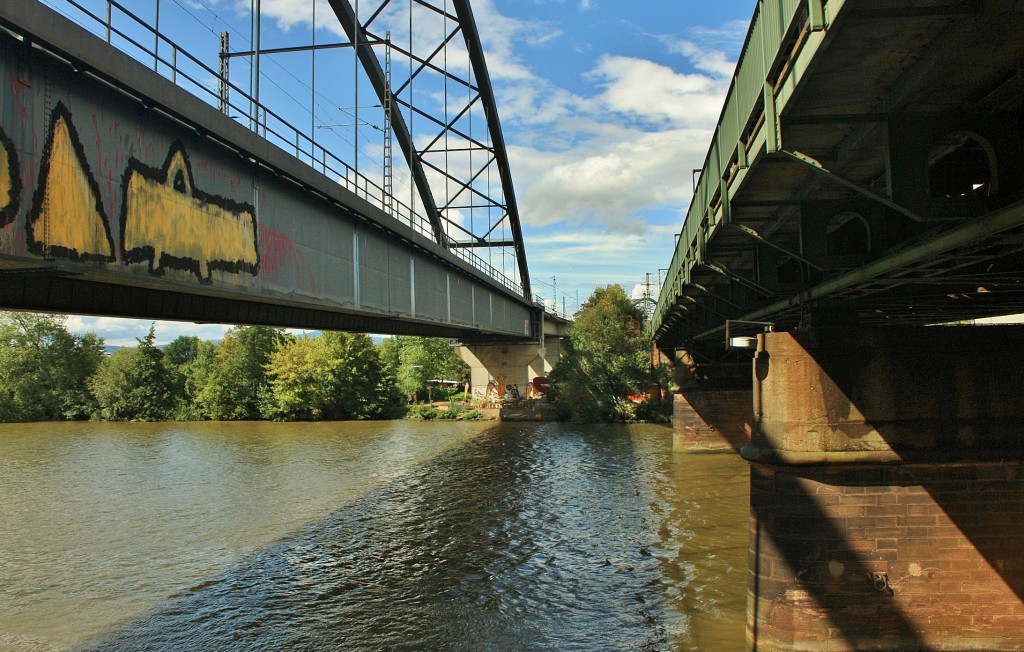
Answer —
145 43
742 116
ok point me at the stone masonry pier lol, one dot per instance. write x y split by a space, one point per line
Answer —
886 486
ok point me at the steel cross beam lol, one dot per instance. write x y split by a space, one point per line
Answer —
347 17
478 83
902 265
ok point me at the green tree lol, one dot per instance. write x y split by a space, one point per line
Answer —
134 384
390 355
177 356
388 393
182 351
44 369
607 358
189 360
334 376
237 380
424 358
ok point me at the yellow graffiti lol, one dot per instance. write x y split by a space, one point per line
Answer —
6 182
69 217
173 225
10 181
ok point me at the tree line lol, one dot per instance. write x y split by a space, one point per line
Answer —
254 372
257 372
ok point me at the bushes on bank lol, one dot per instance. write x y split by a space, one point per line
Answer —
453 412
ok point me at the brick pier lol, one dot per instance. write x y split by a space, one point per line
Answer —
887 491
886 558
711 420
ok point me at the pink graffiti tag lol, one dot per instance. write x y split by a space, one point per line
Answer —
18 87
278 251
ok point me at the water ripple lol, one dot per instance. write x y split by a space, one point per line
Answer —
527 537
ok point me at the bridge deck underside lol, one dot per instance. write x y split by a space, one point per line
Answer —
886 183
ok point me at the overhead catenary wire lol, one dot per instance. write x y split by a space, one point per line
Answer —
320 101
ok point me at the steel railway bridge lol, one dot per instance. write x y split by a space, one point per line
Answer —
865 184
144 175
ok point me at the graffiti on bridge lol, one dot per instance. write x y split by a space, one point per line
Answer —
67 218
170 224
165 220
10 180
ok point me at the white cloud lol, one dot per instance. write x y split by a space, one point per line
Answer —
290 14
712 61
117 331
645 294
729 35
591 242
536 104
588 257
653 92
610 181
606 158
502 37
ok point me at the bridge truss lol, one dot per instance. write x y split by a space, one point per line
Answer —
431 91
470 201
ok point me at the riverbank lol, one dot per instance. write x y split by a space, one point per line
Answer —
528 410
522 410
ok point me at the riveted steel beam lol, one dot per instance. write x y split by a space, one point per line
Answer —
816 167
703 290
455 244
768 243
968 234
720 269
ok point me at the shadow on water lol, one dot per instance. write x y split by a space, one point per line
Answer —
528 537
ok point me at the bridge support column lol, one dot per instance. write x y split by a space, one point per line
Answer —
710 415
711 419
511 364
887 491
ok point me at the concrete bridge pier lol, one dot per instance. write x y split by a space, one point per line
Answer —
508 364
887 490
515 363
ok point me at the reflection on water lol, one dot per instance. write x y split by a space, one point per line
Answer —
355 536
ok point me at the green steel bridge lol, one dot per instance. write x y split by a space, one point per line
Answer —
867 164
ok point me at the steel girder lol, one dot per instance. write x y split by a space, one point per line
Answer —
883 183
437 61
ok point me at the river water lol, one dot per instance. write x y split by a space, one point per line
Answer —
392 535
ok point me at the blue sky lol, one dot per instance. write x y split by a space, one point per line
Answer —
606 108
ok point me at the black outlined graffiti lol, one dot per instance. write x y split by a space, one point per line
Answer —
67 219
10 180
169 223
